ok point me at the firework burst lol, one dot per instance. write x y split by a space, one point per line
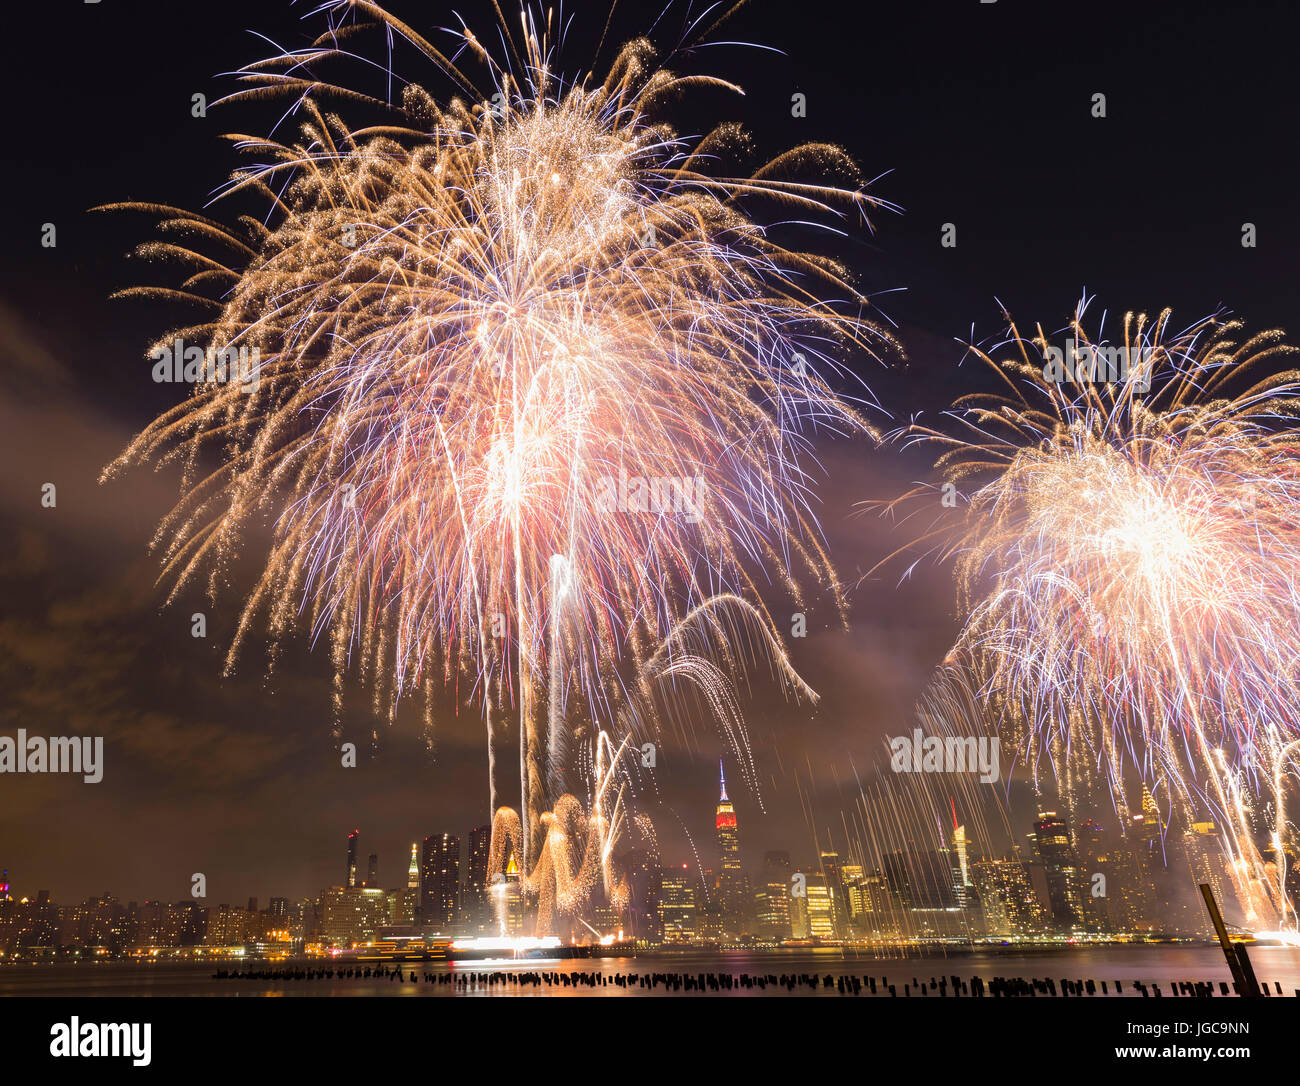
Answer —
1126 554
532 384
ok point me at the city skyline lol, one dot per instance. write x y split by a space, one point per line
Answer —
1044 890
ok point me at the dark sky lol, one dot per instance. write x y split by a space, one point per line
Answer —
977 114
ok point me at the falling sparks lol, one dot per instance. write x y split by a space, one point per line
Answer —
528 329
1127 557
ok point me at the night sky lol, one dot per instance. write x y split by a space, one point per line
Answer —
973 114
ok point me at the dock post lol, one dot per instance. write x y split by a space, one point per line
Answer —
1238 959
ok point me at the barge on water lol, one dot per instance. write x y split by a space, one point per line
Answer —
437 948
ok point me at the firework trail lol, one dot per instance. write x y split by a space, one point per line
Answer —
577 848
1127 557
532 383
577 851
922 840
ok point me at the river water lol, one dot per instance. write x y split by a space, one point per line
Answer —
1149 965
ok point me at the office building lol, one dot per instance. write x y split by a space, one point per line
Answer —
440 883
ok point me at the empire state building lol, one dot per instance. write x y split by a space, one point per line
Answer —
729 872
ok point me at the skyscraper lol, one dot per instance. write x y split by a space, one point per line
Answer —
512 904
1007 897
677 912
1151 812
729 871
773 897
1061 866
406 902
873 909
829 861
350 879
372 871
440 882
819 907
1205 859
962 881
854 901
645 888
1096 859
476 908
922 879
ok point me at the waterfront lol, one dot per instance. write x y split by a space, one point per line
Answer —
1147 965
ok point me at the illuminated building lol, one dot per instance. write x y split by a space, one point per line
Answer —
513 904
151 928
1181 909
799 926
730 878
711 918
812 913
677 911
963 884
1011 907
1143 856
604 918
477 913
1051 837
645 887
834 875
927 882
352 915
229 925
183 924
406 906
1206 860
307 917
1097 857
406 900
350 878
1151 813
98 922
1134 862
923 880
851 891
876 910
29 929
440 882
773 897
